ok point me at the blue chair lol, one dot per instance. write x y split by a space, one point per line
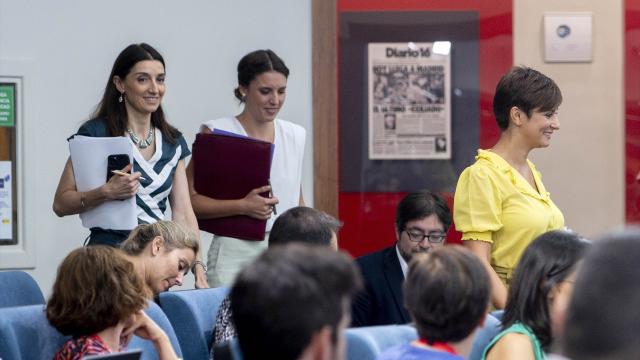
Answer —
366 343
483 337
193 315
25 334
148 349
19 289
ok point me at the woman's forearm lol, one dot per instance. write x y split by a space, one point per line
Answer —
70 202
207 208
164 348
482 250
498 289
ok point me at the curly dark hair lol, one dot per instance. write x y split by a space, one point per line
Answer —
95 288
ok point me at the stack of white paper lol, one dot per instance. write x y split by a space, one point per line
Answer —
89 159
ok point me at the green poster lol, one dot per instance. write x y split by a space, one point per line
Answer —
7 104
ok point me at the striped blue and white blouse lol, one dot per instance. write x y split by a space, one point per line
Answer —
158 171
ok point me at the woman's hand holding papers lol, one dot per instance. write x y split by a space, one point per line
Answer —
122 187
258 206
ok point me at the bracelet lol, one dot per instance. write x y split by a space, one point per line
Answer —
82 199
198 262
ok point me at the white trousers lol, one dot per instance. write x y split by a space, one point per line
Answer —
227 256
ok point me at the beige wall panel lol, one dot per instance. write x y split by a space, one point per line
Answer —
583 167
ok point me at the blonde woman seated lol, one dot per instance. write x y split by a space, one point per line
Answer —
162 253
99 299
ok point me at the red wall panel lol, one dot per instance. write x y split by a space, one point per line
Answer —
632 109
369 217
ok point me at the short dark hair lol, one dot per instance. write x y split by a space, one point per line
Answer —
96 288
289 293
256 63
447 293
304 224
418 205
113 112
546 262
603 318
527 89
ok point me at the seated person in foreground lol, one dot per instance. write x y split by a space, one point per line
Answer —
293 302
544 276
422 221
297 225
447 294
99 299
162 253
603 318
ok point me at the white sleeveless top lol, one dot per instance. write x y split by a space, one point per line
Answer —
286 166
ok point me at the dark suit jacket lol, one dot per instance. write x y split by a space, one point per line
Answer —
381 302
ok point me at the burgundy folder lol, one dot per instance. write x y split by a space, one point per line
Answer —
228 167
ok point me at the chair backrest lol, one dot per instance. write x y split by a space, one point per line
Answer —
193 315
364 343
368 342
25 333
19 289
148 349
483 337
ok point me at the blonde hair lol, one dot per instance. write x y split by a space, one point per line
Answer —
174 236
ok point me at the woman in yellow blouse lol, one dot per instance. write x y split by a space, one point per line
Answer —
501 204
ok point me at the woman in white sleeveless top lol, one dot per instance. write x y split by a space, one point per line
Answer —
262 82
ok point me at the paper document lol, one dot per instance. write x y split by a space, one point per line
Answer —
89 160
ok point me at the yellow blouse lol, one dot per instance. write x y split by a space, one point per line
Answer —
494 203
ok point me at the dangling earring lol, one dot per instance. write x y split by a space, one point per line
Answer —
244 96
120 98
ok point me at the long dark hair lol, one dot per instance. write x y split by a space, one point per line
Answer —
547 262
113 112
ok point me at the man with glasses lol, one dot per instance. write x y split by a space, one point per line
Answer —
422 221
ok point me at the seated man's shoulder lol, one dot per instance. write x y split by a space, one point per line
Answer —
373 259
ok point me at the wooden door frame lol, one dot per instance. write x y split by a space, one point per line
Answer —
325 105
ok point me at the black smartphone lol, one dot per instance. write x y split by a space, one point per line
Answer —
116 162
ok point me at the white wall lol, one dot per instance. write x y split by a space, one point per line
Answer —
72 45
584 166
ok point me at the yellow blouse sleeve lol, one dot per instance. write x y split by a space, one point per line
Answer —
477 205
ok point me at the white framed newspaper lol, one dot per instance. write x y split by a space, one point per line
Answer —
409 89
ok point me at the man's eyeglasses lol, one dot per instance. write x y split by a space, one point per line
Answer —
418 236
